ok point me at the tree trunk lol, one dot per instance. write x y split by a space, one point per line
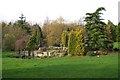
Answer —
19 51
29 53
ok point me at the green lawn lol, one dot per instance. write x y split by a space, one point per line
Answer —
65 67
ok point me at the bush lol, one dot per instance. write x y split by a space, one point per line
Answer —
80 44
91 53
72 43
64 38
116 46
8 42
110 46
102 53
57 44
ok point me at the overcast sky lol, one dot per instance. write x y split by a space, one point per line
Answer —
71 10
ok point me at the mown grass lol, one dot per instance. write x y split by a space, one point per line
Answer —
65 67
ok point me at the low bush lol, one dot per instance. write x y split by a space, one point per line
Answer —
102 53
91 53
57 44
116 46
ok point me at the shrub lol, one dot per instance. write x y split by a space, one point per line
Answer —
102 53
80 49
72 43
8 42
116 45
64 38
91 53
57 44
110 46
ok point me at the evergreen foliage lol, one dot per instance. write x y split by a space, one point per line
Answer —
36 39
113 31
80 41
31 44
72 43
95 28
23 24
116 45
64 39
118 33
39 36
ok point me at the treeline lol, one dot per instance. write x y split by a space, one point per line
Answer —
94 35
18 34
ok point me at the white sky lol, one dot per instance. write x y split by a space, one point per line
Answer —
38 10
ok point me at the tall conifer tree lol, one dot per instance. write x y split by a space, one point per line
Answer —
95 28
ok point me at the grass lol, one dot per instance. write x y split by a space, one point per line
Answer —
65 67
51 50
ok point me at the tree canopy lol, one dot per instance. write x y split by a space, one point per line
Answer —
95 28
